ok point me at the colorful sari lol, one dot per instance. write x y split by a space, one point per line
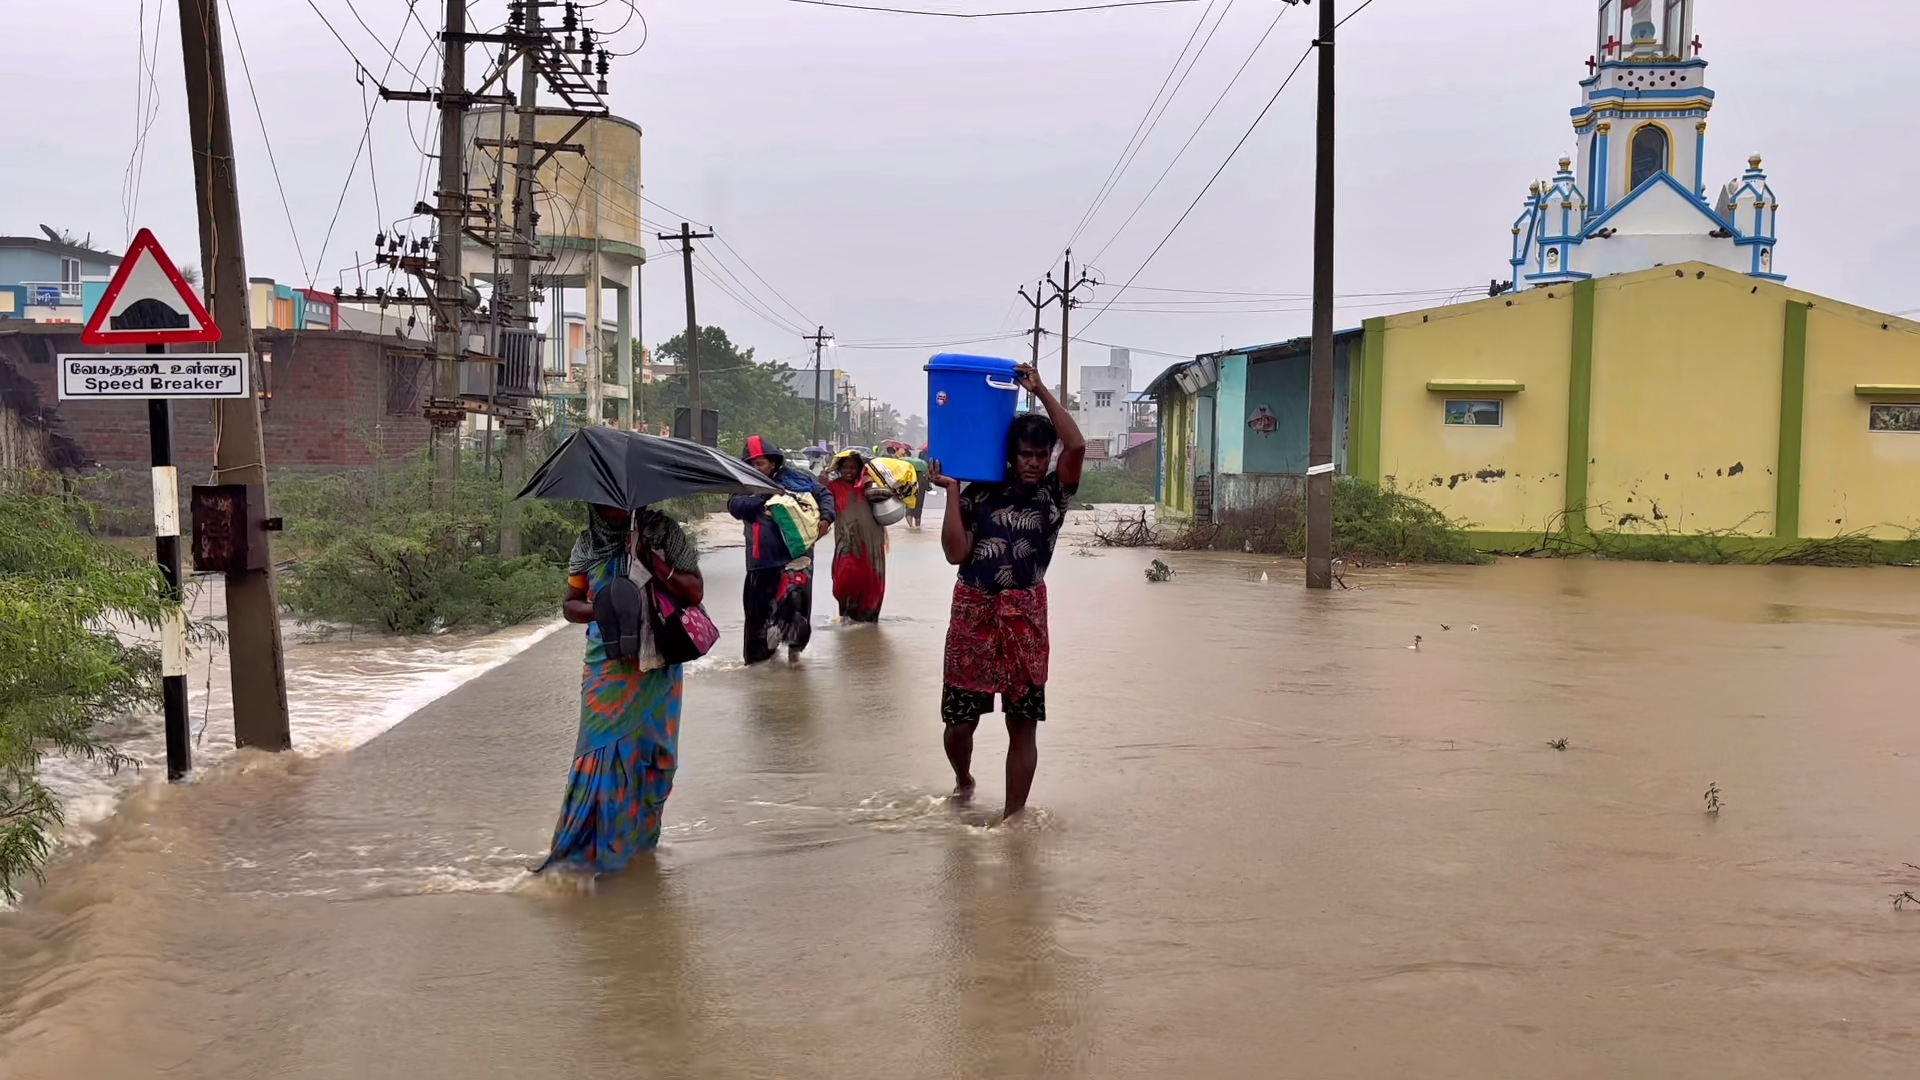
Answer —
860 552
625 755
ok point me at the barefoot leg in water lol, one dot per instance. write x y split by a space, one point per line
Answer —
1023 757
959 743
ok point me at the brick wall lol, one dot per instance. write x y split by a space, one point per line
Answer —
338 400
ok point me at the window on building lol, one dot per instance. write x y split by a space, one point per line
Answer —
1894 417
1676 42
69 275
1649 154
1473 413
1103 399
1609 37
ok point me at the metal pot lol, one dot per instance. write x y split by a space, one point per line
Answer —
889 511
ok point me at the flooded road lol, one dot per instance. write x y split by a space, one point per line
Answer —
1272 839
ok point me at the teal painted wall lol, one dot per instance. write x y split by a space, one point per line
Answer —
1232 439
1281 385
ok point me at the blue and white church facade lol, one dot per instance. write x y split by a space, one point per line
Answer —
1634 195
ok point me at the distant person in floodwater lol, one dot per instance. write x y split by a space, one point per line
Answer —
779 589
859 540
624 757
1001 536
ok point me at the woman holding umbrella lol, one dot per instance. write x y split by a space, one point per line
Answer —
625 754
627 748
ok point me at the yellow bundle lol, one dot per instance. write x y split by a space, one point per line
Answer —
897 476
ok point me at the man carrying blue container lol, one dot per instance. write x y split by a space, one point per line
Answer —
1001 535
780 531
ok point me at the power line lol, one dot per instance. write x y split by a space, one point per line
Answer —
272 161
1352 13
1288 81
1231 83
392 54
146 108
991 14
366 133
1164 106
1113 174
1296 296
756 274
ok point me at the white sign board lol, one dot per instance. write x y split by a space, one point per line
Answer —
153 375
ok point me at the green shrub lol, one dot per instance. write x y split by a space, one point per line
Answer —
1385 523
381 549
1114 486
64 676
1370 523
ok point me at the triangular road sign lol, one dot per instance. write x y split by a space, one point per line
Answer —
148 302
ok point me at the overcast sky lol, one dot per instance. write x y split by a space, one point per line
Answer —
897 178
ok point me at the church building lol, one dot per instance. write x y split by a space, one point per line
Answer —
1647 378
1638 195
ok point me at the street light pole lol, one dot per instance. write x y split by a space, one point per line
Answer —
1320 383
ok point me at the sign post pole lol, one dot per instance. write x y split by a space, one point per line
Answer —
166 551
148 303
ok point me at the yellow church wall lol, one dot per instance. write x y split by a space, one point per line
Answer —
1853 479
1500 479
1685 416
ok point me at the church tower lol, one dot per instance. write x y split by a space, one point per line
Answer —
1645 102
1635 192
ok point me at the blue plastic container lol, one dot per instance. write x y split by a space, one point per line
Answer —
970 405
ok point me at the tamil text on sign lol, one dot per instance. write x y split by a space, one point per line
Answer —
153 375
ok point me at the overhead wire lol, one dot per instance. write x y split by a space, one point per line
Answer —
991 14
366 132
1154 125
392 53
1201 126
1288 81
1114 172
273 162
146 103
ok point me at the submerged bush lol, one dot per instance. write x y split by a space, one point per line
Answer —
379 548
1385 523
1370 523
64 674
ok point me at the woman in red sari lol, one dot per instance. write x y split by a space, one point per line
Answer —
859 540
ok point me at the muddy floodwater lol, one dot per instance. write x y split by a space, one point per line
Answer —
1272 840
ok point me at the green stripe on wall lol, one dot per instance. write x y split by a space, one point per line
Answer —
1363 457
1793 399
1579 408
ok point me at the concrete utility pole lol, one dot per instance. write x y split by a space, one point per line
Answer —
253 605
1320 384
513 466
819 338
872 435
686 236
1038 303
1064 293
450 286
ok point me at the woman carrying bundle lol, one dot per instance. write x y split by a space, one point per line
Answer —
859 540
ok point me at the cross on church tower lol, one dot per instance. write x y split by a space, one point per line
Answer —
1593 66
1611 45
1698 44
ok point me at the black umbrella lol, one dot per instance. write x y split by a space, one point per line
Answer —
629 470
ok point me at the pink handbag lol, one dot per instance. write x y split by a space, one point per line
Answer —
683 633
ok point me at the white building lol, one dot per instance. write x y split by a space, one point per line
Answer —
1104 412
1635 194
